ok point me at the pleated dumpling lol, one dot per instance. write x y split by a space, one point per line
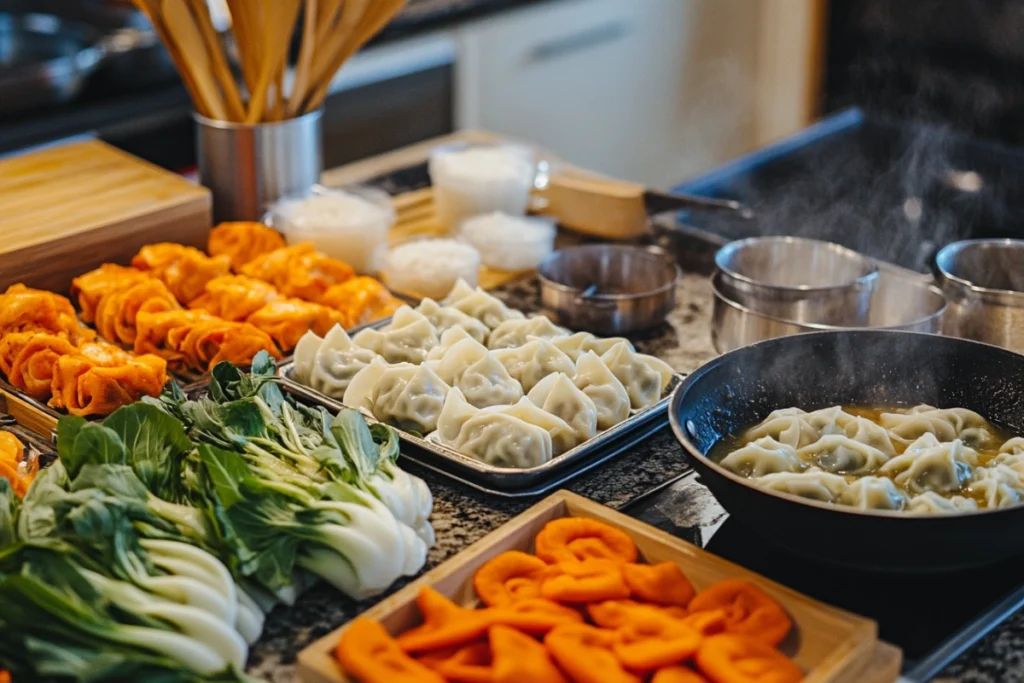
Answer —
558 395
483 380
841 454
533 361
645 377
931 503
946 424
998 485
449 338
515 332
478 304
575 345
761 457
359 394
788 426
928 465
563 436
328 364
595 380
409 397
494 437
874 493
814 484
407 339
445 318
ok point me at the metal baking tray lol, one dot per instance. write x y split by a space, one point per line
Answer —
510 481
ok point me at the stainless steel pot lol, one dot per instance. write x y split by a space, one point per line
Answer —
797 279
897 303
984 282
608 288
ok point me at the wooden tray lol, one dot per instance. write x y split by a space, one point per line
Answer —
831 645
39 420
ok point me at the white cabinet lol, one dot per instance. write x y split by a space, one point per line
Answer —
646 90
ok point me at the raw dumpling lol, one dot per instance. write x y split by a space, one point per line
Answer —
534 361
1000 486
944 468
595 380
328 364
761 457
409 397
406 340
788 426
874 493
359 394
575 345
556 394
1014 446
946 424
514 332
495 438
483 380
445 318
932 503
449 338
563 436
813 484
645 377
478 304
841 454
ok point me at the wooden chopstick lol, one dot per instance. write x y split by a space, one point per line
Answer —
221 70
275 54
151 8
308 49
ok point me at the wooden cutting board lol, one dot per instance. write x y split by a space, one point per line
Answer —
65 210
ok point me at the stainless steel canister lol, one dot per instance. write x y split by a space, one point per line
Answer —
984 282
250 166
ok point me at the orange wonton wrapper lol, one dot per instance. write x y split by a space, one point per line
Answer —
467 664
117 311
370 654
729 658
646 644
518 658
209 341
153 329
662 584
615 613
509 577
33 366
678 674
749 611
586 581
298 271
361 300
12 455
445 624
584 652
234 297
572 539
23 309
185 270
82 386
90 287
243 241
286 320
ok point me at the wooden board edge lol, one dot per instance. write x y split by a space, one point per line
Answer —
27 415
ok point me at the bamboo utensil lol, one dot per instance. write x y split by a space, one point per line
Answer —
330 31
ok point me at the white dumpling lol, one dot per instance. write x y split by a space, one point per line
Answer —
998 485
833 420
867 432
575 345
1014 446
495 438
409 397
839 453
946 424
595 380
874 493
445 318
449 338
478 304
787 426
1015 461
931 503
645 377
944 468
483 380
514 332
563 436
328 364
407 339
533 361
558 395
813 484
359 394
761 457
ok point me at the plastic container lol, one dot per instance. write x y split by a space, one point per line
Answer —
470 180
510 242
350 224
430 267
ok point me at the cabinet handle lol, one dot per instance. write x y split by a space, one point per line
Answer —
592 37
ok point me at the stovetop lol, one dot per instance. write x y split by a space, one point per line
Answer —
896 191
932 618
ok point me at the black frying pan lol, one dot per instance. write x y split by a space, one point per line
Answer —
822 369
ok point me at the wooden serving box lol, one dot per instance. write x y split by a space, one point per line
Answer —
829 644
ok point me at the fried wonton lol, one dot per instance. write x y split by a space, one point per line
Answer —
117 311
243 241
31 368
23 309
83 386
185 270
299 271
90 287
362 300
235 297
286 320
207 342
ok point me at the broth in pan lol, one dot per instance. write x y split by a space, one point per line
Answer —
922 460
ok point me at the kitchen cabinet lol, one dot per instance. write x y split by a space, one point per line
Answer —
648 90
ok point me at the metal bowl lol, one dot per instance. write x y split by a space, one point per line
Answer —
608 288
984 281
804 280
897 303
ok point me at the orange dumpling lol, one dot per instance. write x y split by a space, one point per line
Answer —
94 285
243 241
33 365
299 270
23 309
117 311
84 387
235 297
13 464
286 320
153 328
362 300
185 270
208 342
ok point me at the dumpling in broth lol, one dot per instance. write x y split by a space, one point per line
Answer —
478 304
595 380
409 397
645 377
534 361
870 434
788 426
445 318
483 380
944 468
813 484
874 493
998 485
839 453
761 457
492 437
406 340
556 394
328 364
514 332
931 503
946 424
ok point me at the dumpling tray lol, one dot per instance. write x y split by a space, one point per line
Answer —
511 482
